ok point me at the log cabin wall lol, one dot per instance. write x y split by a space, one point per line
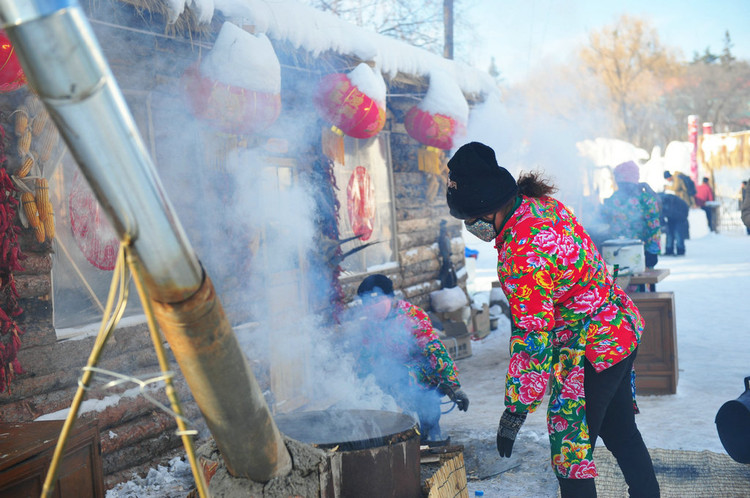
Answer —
420 207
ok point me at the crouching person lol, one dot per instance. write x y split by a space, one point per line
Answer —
405 355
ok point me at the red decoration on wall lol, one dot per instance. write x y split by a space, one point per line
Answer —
350 112
11 73
10 258
360 202
231 109
435 132
91 229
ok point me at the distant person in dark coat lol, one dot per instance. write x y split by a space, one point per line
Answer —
678 185
745 206
674 214
703 194
745 209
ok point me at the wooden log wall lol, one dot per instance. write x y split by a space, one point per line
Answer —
420 207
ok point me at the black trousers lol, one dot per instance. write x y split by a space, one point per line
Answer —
709 216
609 414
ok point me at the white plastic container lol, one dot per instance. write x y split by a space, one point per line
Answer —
628 253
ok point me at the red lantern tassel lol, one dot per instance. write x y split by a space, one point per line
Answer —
333 144
431 160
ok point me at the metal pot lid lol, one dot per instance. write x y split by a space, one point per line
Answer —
349 429
622 242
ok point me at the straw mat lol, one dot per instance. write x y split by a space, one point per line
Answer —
681 474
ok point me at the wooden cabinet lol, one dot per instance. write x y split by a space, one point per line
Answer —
656 367
26 452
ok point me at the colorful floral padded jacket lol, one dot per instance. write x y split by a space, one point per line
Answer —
407 337
564 306
633 212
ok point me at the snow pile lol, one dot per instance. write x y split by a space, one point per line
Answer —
370 82
445 97
172 481
241 59
610 151
447 300
96 405
677 157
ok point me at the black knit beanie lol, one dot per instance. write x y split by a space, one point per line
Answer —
375 284
477 185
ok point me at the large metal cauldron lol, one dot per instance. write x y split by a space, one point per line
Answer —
379 450
733 425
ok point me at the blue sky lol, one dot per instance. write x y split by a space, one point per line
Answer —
521 34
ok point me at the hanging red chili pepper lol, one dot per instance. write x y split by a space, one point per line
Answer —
10 258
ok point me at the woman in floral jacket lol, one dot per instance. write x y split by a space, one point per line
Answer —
571 325
633 211
404 354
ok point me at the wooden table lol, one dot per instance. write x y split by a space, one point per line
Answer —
656 365
649 277
26 452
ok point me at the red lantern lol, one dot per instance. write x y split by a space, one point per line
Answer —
231 109
11 73
435 132
349 110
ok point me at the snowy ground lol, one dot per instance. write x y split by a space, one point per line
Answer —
713 334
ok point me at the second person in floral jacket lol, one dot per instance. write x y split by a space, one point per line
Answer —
633 211
571 325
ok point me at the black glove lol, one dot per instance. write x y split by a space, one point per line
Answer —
458 396
461 399
510 423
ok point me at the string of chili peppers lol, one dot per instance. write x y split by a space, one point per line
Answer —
10 258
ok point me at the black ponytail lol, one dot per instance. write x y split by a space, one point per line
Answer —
533 184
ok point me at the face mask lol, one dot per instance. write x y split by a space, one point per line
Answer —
377 308
482 229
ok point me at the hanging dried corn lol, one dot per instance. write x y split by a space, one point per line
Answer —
24 143
38 122
22 120
46 213
49 224
26 164
30 209
47 142
34 104
39 233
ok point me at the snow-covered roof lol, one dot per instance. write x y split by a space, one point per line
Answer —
317 32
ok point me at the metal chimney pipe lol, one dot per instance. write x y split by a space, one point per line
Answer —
64 64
